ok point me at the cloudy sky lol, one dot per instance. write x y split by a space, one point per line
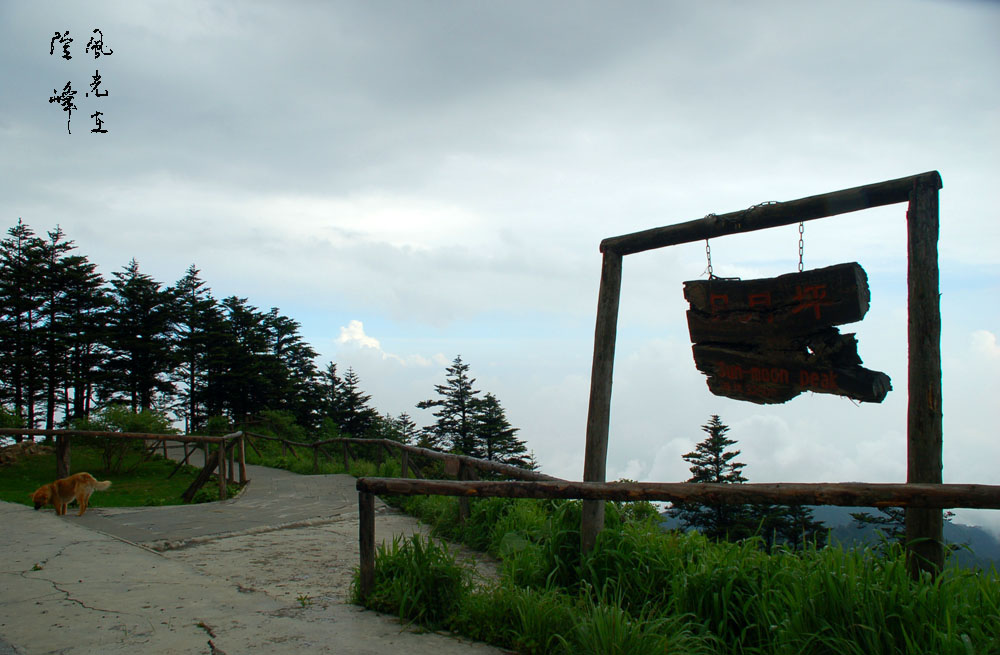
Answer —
416 180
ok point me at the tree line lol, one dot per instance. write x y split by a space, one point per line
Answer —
73 343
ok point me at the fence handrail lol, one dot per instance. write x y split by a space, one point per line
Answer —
184 438
227 444
977 496
845 494
471 462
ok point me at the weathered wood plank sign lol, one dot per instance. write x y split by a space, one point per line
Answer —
768 340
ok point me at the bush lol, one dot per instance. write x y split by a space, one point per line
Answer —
418 580
119 418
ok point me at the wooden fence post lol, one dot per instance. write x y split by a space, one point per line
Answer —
924 527
315 458
243 459
599 413
62 455
347 458
222 470
465 472
366 538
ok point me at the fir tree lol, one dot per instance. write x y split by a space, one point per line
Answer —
790 525
356 417
140 339
87 306
22 296
194 311
406 427
713 463
456 412
497 438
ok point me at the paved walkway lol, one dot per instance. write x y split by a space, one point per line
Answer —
266 572
274 499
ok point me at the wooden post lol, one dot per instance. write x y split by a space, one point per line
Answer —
599 414
366 539
243 459
62 456
463 502
222 470
165 455
405 464
924 527
347 458
465 472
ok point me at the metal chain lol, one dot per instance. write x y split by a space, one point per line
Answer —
802 229
708 251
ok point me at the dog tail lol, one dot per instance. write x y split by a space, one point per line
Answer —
102 486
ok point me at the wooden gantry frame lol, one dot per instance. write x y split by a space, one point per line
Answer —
924 525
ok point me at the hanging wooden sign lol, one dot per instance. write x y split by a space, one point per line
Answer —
768 340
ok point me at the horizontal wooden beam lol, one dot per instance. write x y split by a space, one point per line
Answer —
849 494
772 215
190 438
476 463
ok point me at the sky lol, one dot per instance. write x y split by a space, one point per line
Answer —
412 181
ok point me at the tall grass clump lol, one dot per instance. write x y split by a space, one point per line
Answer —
644 590
418 580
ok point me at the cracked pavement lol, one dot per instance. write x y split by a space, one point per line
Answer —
268 572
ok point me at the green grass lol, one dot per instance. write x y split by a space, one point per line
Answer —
138 484
645 591
301 461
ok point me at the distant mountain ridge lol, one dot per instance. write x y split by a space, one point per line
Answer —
982 551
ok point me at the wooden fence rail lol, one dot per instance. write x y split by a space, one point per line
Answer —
932 496
453 463
228 446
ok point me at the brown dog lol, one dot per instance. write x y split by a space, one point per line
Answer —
61 492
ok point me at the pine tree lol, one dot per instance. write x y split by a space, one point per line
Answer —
140 337
87 306
790 525
195 312
713 463
22 296
891 521
244 376
406 427
496 437
356 417
53 330
456 416
295 377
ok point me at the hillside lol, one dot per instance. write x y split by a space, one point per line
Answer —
981 549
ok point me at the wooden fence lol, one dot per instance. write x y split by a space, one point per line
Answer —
223 459
929 496
459 466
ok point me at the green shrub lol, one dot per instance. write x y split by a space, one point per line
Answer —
120 418
418 580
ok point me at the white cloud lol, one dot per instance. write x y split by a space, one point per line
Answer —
355 333
985 343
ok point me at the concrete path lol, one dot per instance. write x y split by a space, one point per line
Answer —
267 572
